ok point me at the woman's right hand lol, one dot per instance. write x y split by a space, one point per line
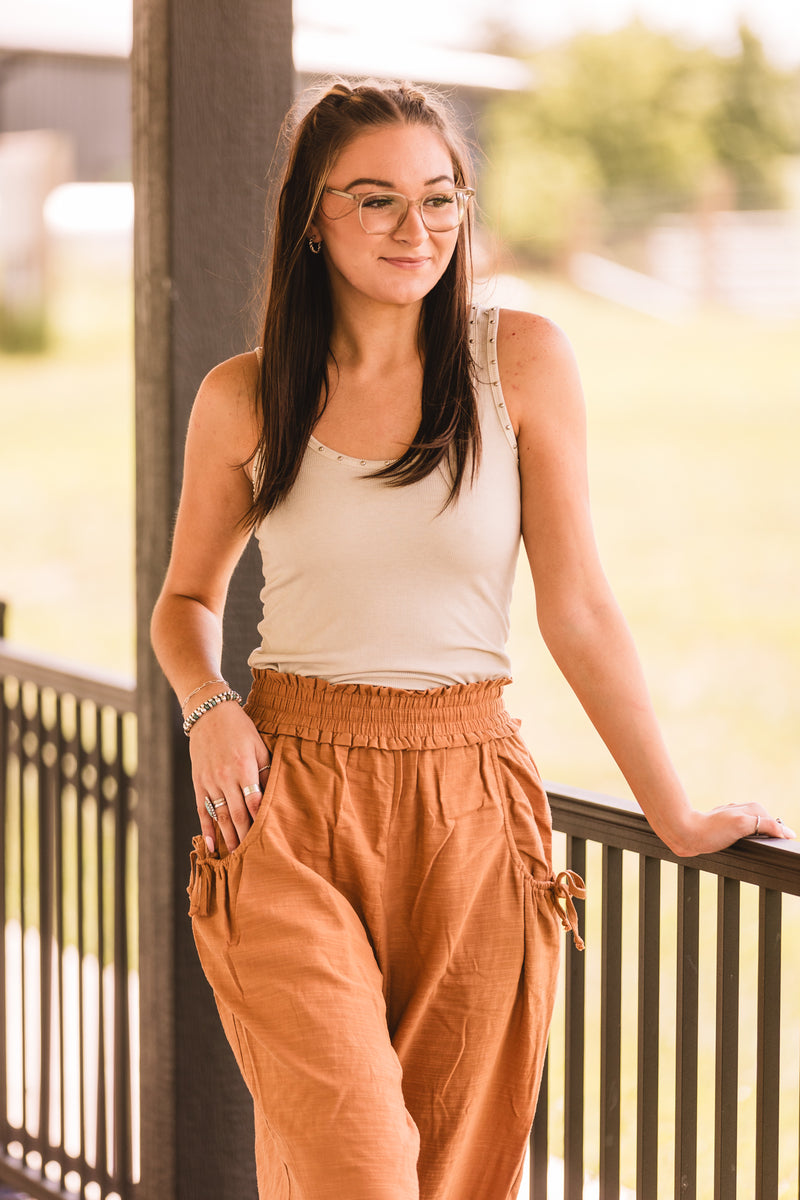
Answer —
211 532
229 767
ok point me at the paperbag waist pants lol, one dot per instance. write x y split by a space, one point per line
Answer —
383 945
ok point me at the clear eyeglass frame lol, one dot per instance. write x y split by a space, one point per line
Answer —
461 196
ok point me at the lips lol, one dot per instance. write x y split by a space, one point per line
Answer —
407 263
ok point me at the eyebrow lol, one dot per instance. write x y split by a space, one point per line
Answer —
383 183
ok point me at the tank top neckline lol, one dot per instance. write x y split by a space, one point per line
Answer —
490 352
490 360
376 464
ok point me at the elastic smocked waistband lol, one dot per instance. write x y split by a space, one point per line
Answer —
387 718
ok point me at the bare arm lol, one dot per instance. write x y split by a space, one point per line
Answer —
578 615
226 749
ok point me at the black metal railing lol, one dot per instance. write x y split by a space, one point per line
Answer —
673 1064
655 1104
68 939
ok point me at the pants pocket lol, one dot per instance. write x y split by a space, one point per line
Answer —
529 833
214 878
526 810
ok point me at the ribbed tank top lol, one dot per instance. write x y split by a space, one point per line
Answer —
366 583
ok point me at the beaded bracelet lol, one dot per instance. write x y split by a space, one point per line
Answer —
207 705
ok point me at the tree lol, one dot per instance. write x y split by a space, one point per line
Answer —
754 123
626 125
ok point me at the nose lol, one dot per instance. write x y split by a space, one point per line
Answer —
412 228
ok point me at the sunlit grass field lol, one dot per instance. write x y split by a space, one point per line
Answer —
67 475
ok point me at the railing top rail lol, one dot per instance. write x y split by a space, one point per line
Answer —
766 862
84 683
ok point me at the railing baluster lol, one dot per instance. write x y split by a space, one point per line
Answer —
45 838
101 1134
121 1041
574 1040
73 888
686 1022
5 764
60 925
649 981
539 1154
727 1040
23 913
610 1017
769 1043
80 761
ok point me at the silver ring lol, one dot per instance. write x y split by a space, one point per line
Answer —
251 789
758 824
266 768
779 820
213 805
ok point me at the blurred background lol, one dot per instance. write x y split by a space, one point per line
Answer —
638 173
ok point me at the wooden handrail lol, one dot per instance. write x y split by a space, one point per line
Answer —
46 671
766 862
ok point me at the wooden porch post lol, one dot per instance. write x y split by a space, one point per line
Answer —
211 82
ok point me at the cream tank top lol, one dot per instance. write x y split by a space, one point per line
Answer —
366 583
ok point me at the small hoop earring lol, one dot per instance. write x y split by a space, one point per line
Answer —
314 247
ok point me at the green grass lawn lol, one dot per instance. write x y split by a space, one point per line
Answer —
67 477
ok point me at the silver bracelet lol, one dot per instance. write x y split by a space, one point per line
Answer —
207 705
186 699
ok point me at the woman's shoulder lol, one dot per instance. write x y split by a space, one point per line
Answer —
226 403
234 378
535 359
529 344
529 336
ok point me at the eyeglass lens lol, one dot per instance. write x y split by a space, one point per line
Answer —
382 212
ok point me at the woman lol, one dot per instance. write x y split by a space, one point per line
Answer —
373 895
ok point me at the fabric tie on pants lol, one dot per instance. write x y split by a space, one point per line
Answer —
566 885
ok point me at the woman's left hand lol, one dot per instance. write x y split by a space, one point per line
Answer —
729 823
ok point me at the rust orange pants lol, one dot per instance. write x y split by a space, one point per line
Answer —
383 945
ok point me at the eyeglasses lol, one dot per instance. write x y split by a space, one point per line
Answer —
384 212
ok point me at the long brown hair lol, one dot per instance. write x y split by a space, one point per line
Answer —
298 318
